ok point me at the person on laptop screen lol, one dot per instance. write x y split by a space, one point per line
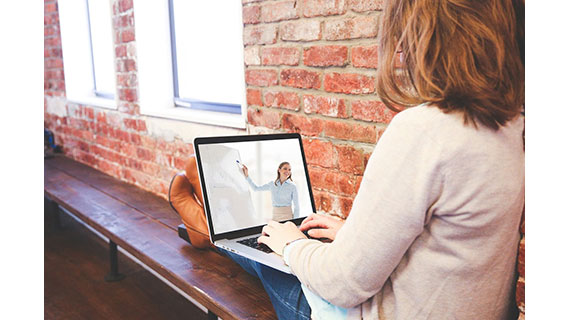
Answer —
283 192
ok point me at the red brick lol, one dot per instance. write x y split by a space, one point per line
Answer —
108 143
278 11
164 159
251 14
253 97
160 188
369 5
263 34
50 7
126 80
328 106
351 28
85 157
148 142
265 118
365 57
366 158
179 163
89 113
251 56
126 20
319 153
127 35
125 5
350 159
372 111
49 31
305 30
128 95
130 65
302 124
150 168
52 42
336 182
137 177
129 150
280 56
350 131
141 125
325 56
282 99
313 8
128 107
183 148
323 200
130 123
520 294
358 183
121 51
136 139
351 83
299 78
145 154
261 78
345 205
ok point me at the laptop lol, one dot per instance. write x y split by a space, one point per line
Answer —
237 207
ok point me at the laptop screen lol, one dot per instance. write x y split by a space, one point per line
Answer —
248 183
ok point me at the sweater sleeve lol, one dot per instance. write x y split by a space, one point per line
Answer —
255 187
400 183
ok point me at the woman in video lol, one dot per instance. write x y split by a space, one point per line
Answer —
283 192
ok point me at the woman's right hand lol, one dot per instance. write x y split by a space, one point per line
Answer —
321 226
245 171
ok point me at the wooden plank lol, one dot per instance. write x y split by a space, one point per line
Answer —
213 280
144 201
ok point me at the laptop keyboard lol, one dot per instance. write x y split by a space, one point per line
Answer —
252 242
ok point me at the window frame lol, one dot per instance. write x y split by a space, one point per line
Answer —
155 72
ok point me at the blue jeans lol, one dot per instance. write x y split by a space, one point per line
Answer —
283 289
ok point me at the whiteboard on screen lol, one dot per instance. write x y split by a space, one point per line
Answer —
228 193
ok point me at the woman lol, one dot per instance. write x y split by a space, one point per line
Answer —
433 230
283 192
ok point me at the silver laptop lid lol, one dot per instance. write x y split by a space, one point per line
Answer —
236 206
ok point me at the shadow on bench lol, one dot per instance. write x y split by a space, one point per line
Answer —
146 227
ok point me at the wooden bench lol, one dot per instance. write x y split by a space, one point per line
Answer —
145 226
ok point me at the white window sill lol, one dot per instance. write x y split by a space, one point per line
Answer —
200 116
94 101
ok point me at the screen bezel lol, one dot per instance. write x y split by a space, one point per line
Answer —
244 138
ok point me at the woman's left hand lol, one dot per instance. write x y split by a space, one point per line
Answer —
277 235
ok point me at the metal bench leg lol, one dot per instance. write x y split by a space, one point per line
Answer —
53 209
212 316
114 274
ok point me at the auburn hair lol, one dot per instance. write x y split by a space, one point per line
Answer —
458 55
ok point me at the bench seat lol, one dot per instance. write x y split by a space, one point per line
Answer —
145 226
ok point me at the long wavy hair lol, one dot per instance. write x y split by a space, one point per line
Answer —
458 55
278 175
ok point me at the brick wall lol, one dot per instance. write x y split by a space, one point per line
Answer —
310 68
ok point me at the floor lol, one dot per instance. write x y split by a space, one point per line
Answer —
75 264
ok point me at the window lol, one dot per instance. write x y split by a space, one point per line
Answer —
207 64
101 35
88 54
190 61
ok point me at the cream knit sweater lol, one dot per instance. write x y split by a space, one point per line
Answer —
433 231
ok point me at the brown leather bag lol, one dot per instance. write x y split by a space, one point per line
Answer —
185 196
